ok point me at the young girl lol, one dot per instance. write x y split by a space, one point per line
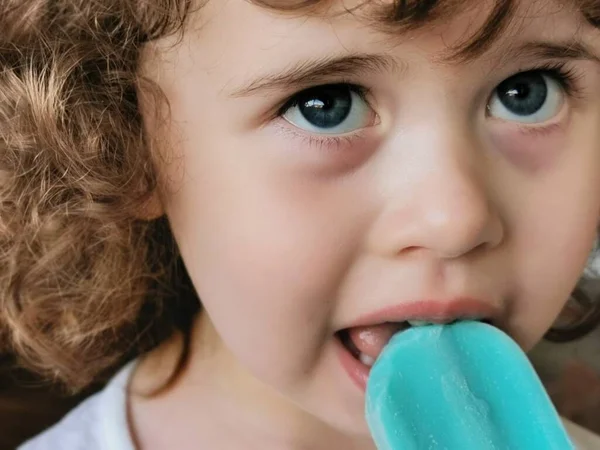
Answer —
328 170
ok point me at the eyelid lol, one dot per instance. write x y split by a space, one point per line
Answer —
568 77
565 72
364 92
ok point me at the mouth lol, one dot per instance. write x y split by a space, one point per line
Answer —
365 344
360 346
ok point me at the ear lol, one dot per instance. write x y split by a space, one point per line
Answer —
151 209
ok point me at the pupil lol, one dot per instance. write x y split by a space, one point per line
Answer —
326 106
520 91
524 94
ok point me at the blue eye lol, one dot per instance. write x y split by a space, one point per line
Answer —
528 97
330 109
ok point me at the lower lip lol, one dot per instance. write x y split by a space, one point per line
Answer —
357 371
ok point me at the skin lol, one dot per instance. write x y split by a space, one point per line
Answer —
288 239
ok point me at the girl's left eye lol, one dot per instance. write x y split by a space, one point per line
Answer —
329 109
528 97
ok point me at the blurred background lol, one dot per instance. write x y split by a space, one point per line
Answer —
569 362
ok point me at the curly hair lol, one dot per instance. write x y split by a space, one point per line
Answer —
73 167
84 283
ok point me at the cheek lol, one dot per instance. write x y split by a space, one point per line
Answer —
529 150
555 223
552 257
266 254
552 205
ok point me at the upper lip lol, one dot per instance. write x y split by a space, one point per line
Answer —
432 310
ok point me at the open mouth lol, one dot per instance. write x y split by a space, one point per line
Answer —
365 344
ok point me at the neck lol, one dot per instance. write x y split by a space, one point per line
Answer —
216 403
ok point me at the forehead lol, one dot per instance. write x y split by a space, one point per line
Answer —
488 20
417 12
239 38
470 27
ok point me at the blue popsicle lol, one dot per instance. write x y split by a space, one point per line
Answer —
464 386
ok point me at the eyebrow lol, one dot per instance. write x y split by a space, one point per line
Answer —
310 73
573 49
318 71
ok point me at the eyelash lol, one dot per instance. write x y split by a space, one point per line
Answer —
362 91
567 77
329 143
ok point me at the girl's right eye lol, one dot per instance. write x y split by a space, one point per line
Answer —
329 109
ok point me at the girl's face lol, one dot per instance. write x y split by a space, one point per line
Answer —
326 175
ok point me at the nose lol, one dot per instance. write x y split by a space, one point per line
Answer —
440 203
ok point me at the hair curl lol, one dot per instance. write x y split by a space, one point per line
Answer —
73 169
83 283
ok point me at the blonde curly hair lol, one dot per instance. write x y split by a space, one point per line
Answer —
84 283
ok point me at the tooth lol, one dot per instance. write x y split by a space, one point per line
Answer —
366 359
418 323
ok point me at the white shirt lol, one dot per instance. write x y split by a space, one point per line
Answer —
100 423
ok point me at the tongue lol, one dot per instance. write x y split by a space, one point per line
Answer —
370 340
